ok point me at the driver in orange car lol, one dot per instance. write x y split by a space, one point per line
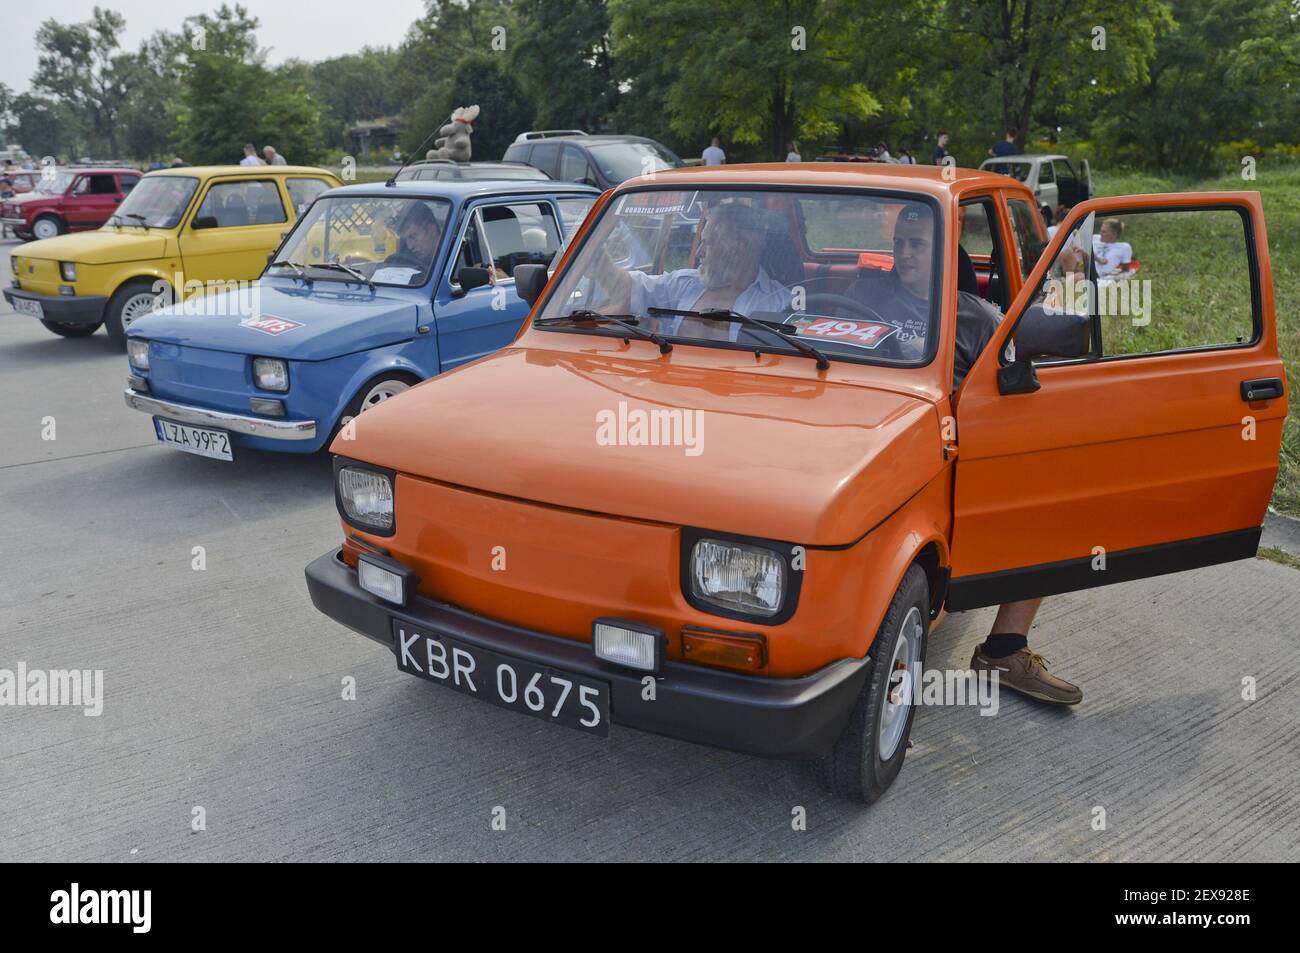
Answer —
902 296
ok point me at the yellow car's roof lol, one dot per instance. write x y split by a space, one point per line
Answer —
251 171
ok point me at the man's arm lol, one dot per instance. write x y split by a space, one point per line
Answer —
976 322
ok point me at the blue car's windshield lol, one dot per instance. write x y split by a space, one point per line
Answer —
381 239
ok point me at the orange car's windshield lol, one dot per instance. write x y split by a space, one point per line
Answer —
852 273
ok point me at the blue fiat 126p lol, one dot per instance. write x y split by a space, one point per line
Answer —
376 288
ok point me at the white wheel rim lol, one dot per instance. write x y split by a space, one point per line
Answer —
45 229
137 306
897 704
377 395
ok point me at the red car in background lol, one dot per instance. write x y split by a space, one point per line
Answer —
69 200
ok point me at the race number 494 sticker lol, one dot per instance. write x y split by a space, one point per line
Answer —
270 324
866 334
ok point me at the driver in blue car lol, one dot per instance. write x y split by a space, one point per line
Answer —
418 236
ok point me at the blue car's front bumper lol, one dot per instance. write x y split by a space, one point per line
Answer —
266 433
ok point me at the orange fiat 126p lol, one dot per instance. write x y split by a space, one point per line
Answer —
766 423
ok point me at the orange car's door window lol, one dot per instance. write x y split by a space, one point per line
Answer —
1154 451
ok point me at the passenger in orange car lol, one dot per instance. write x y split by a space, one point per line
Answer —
902 296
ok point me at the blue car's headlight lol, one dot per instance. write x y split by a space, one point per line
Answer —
271 373
137 352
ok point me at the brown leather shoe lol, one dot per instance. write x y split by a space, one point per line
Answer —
1026 672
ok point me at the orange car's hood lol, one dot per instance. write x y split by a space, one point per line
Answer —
784 458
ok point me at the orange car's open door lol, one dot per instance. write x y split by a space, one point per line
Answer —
1151 446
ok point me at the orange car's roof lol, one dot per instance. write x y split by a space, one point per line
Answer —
930 179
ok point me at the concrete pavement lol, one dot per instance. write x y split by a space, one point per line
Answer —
223 692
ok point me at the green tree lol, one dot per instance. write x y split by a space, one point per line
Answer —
355 87
1217 76
561 57
761 72
148 117
1022 65
43 126
450 34
79 65
230 97
483 79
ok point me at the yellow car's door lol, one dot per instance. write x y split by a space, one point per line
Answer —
237 223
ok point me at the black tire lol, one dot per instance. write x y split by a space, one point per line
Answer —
65 330
22 236
116 304
54 220
854 769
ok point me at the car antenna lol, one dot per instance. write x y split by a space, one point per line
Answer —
392 180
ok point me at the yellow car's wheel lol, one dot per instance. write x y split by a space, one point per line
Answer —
129 303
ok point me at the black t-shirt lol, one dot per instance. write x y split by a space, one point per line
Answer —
977 319
940 153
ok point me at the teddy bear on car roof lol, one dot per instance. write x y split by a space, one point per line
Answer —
454 138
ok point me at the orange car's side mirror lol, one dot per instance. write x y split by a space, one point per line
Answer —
1044 332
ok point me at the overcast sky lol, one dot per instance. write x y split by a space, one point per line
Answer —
307 31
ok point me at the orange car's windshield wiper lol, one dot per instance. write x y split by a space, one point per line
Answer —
628 322
724 314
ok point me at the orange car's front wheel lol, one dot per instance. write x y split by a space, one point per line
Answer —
869 753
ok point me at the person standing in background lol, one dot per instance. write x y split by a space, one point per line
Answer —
792 152
905 157
714 155
941 148
1007 147
250 156
273 157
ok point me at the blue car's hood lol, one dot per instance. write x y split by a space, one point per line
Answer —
276 319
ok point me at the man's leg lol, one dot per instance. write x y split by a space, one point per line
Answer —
1006 651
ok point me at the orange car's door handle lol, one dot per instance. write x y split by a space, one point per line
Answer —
1265 388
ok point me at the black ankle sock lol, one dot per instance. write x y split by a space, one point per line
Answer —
1002 644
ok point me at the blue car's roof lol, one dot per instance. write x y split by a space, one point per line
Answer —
459 190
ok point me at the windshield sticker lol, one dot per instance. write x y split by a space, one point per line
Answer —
864 334
269 324
656 203
394 276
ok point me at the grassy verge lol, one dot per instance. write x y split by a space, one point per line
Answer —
1280 556
1280 189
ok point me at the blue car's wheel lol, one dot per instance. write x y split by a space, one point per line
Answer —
374 393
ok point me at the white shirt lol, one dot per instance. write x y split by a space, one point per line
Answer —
793 157
1110 256
713 156
682 289
251 160
279 160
